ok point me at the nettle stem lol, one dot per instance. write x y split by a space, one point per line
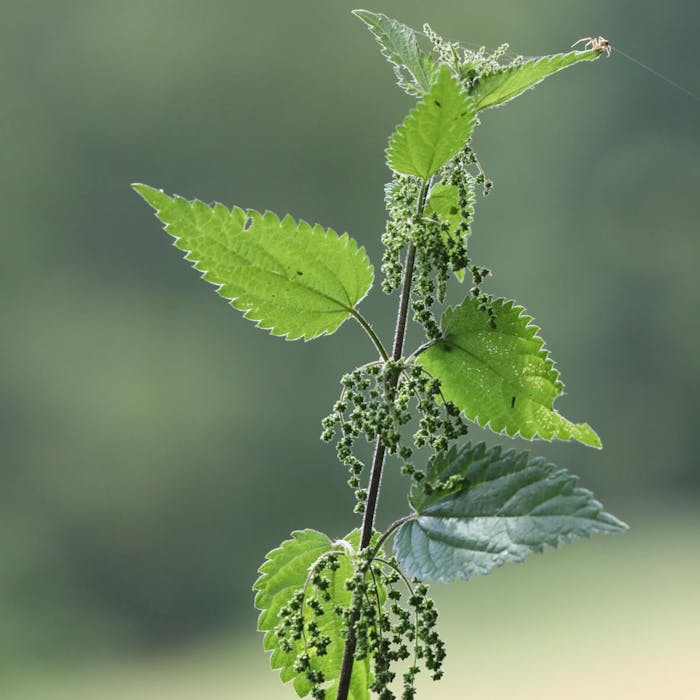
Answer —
375 479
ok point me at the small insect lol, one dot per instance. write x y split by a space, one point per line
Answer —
595 43
512 402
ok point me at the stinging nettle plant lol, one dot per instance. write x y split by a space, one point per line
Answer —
343 617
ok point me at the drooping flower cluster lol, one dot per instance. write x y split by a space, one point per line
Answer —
387 630
436 219
377 401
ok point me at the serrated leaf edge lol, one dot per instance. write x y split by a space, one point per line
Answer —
314 229
533 61
416 89
278 664
342 546
264 567
544 353
615 525
401 129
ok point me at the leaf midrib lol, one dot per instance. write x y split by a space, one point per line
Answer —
423 513
455 543
517 390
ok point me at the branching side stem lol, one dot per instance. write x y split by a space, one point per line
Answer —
390 531
379 450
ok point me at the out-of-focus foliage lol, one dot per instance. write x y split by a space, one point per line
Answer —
135 408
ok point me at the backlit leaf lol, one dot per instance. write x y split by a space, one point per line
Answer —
415 70
290 277
501 377
435 131
284 573
510 81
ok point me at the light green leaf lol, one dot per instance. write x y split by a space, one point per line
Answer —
501 377
290 277
510 81
502 507
415 70
435 131
284 572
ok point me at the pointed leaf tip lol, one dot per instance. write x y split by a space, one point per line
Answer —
502 507
295 279
507 82
153 196
435 131
502 377
415 69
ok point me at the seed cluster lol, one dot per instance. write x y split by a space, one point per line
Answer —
470 65
386 630
432 272
474 65
300 630
441 242
377 402
440 238
401 197
458 174
397 631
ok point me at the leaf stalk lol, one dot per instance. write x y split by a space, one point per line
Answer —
370 332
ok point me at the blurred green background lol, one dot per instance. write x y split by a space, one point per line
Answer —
154 445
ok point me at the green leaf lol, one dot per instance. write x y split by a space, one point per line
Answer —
290 277
435 131
501 377
502 507
415 70
285 572
510 81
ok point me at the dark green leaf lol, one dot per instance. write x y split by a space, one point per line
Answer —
498 507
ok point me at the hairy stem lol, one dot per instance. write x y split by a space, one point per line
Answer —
370 332
375 478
